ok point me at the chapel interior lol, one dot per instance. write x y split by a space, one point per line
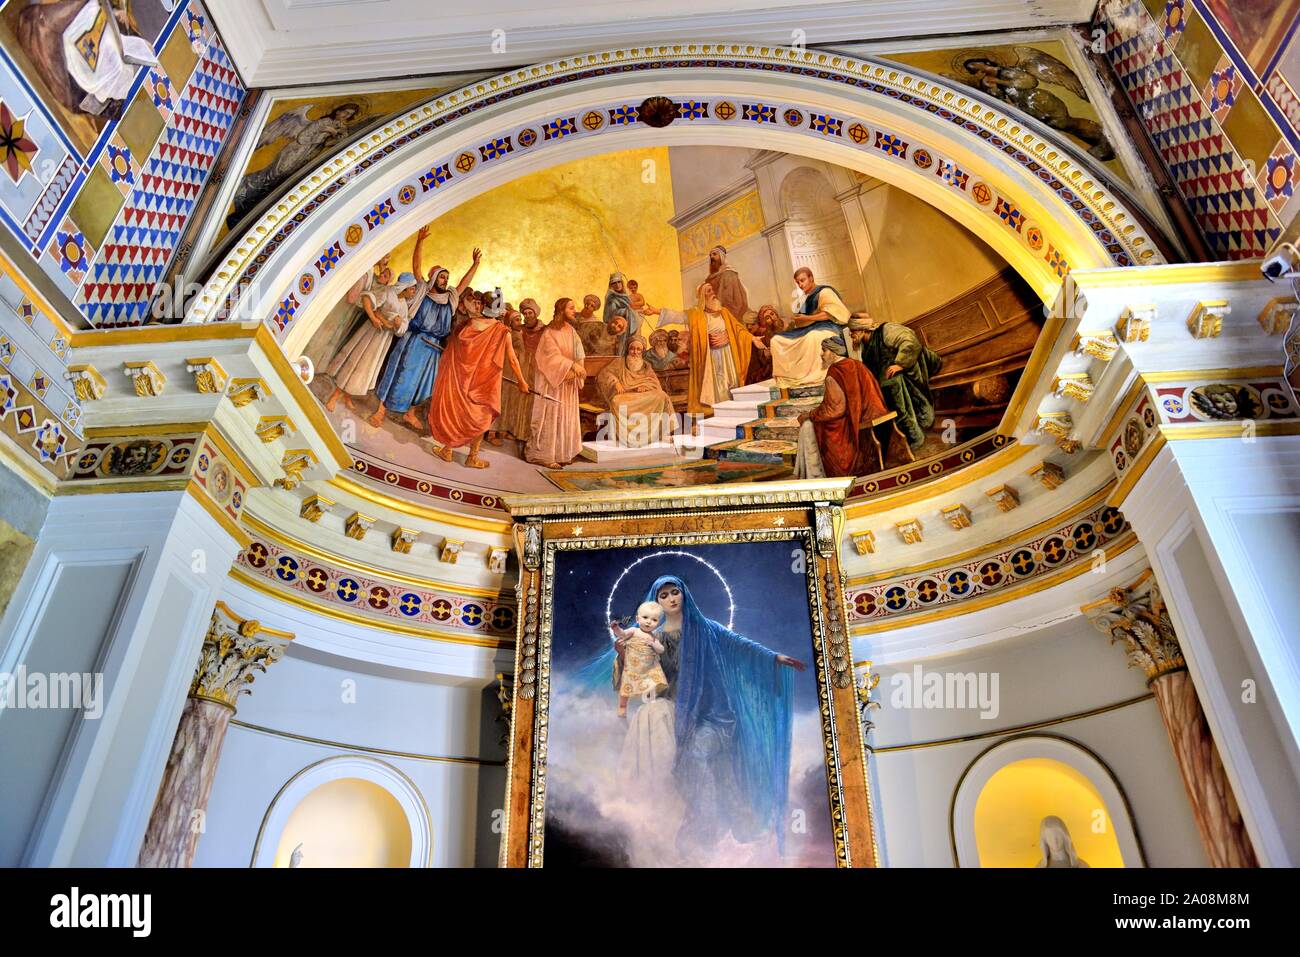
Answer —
420 433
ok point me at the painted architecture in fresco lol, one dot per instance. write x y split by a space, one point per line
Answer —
747 315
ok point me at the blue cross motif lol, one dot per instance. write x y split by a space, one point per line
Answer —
497 147
758 113
951 174
471 614
830 125
329 258
557 129
623 115
890 144
435 177
347 589
380 213
693 110
410 604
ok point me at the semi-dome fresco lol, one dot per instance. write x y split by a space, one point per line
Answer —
676 316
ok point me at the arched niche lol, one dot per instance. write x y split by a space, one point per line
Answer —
1024 193
817 233
370 788
1006 792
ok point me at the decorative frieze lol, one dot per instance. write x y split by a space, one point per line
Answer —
209 377
958 516
357 525
146 377
1004 497
1135 323
87 384
1206 320
910 531
1049 474
314 506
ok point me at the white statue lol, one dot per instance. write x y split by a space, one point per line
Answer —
1058 848
295 859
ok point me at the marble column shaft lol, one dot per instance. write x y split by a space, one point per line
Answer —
178 814
234 650
1137 618
1213 805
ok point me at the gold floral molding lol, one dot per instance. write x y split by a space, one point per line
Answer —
234 650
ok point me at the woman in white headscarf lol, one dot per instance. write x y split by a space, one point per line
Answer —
355 369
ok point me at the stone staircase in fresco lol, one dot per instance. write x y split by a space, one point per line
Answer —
758 424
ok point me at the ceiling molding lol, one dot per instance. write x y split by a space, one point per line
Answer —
288 42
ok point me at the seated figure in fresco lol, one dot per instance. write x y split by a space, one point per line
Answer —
720 348
830 436
660 357
467 394
412 366
820 314
903 365
641 410
719 735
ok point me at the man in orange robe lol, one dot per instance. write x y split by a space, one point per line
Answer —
720 347
852 399
467 393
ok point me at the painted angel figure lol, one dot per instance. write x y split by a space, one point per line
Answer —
1020 78
305 140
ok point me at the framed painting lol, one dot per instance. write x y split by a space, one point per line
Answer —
683 687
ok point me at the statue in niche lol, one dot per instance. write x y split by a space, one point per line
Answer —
1058 847
295 859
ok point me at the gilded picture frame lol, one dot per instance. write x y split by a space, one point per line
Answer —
806 514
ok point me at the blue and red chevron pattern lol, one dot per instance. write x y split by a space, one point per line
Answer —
1232 212
120 286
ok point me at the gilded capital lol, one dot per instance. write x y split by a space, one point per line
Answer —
234 650
1137 618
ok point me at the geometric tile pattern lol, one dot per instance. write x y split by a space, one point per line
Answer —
120 287
381 599
38 208
1228 204
1073 542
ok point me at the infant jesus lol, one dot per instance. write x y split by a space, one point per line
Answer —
642 673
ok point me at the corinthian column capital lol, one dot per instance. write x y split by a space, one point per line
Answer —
234 650
1137 618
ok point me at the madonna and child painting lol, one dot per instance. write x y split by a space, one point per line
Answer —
684 727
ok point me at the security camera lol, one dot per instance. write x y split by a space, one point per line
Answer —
1283 264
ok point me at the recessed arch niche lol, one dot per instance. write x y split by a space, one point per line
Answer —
1004 795
347 811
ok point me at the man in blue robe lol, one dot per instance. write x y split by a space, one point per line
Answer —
412 365
819 314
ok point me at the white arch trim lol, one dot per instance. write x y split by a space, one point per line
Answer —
962 820
1021 193
377 772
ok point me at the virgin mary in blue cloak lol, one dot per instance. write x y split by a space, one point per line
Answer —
732 724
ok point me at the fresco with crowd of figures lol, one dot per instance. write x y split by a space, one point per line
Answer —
655 318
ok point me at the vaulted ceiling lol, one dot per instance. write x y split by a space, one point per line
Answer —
290 42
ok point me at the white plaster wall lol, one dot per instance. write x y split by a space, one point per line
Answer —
1055 671
395 710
